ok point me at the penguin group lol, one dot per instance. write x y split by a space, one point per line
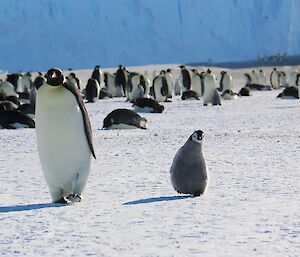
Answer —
54 104
17 101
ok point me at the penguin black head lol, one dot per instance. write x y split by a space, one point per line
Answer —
208 71
275 69
55 77
223 72
120 66
197 136
73 75
162 72
97 67
181 66
169 70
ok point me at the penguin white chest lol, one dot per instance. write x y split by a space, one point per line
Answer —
62 143
209 89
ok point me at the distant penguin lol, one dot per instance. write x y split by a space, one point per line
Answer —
73 79
13 78
196 83
97 74
124 119
185 78
121 78
160 87
245 91
289 93
109 82
190 95
275 78
262 79
147 105
104 94
39 81
188 172
64 137
254 77
228 94
225 81
169 79
7 89
92 90
211 94
24 85
13 119
136 86
248 79
283 81
292 78
177 87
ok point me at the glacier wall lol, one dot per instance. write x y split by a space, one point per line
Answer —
38 34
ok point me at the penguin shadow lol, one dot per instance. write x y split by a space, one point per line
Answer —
30 207
158 199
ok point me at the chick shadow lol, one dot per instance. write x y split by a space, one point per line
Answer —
158 199
30 207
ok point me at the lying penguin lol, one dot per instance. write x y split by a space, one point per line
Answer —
13 119
147 105
228 94
289 93
124 119
190 95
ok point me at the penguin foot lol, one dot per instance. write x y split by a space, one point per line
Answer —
75 198
61 200
205 104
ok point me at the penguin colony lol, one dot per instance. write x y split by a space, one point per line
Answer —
65 145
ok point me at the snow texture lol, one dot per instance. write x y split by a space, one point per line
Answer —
251 207
38 35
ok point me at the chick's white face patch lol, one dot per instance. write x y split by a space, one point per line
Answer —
197 137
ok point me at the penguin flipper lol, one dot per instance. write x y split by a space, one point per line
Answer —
87 125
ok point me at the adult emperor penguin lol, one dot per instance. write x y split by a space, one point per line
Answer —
64 137
185 78
275 78
121 78
124 119
292 78
137 86
262 79
160 87
225 81
196 84
211 94
254 77
188 171
147 105
97 74
7 89
92 91
169 79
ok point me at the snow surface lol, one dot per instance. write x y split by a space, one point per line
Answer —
37 35
251 207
